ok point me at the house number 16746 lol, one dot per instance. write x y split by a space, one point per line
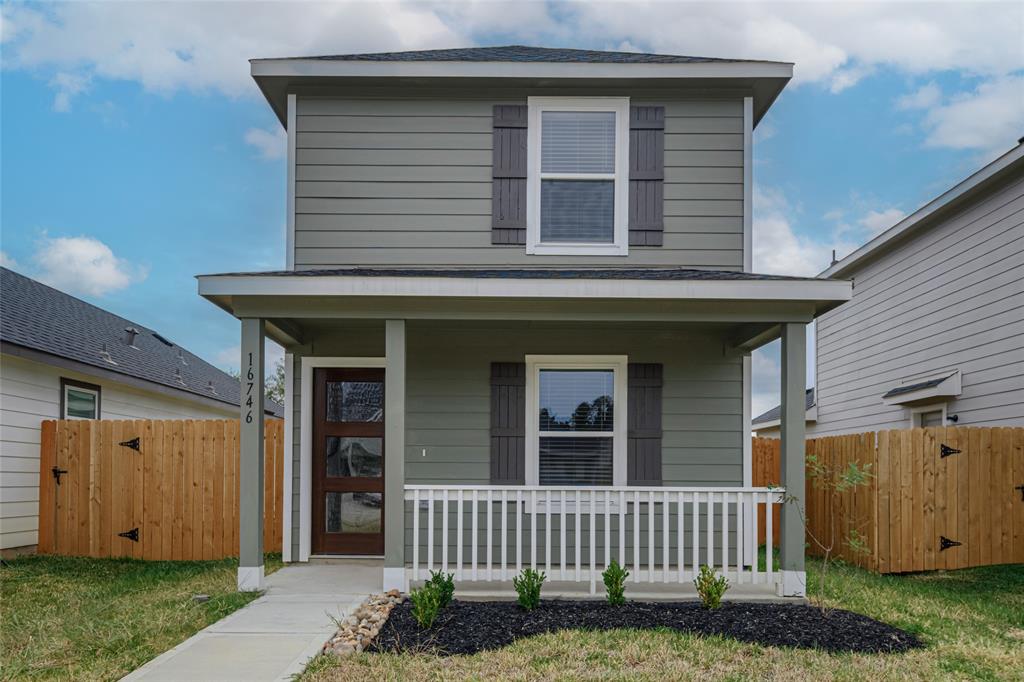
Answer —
250 379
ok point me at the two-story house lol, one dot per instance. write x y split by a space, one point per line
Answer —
518 312
934 333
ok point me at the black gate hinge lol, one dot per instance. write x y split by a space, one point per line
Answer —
946 543
57 472
133 444
946 451
132 534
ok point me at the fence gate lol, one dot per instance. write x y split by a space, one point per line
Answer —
150 489
938 498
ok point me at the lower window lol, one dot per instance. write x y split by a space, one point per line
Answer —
576 420
79 400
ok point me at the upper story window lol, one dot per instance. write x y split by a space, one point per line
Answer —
578 176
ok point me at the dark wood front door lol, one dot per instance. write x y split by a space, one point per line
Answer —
348 461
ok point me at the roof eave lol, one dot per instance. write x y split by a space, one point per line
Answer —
962 191
770 77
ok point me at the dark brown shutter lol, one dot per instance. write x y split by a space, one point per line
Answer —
643 460
508 177
508 423
646 175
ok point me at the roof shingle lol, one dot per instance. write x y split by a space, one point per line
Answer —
44 319
524 53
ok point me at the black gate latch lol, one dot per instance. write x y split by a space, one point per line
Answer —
132 534
946 543
1021 489
946 451
133 444
57 473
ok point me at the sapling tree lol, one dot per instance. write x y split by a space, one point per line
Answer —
832 480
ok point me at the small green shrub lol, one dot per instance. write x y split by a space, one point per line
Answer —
445 586
710 587
426 604
528 584
615 583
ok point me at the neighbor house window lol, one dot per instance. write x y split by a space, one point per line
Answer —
576 420
926 416
578 177
79 400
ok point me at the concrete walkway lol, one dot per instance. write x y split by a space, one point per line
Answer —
275 636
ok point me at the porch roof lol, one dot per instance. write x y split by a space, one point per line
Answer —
758 301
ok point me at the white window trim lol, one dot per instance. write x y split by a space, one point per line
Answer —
915 412
537 105
618 364
93 392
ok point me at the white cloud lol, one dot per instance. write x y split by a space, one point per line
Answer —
271 144
876 222
924 97
778 249
83 265
989 119
204 46
6 261
67 86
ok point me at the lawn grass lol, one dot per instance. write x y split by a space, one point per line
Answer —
972 622
69 618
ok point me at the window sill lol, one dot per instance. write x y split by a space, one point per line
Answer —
577 250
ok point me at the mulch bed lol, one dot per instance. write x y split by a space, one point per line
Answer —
467 627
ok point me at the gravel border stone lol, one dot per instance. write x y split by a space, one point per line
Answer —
468 627
356 631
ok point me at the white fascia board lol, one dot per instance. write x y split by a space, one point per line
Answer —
459 287
328 68
910 222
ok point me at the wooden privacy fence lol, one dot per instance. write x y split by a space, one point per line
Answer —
150 489
938 498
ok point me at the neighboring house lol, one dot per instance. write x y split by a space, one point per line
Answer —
63 358
768 425
525 272
934 334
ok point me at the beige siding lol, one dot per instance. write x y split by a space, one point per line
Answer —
30 393
950 298
392 182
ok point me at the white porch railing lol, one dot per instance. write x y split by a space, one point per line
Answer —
661 535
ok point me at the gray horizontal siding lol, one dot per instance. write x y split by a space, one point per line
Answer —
408 182
448 396
951 297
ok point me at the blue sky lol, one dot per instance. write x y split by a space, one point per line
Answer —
133 158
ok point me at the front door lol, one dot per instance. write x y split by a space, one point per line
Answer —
348 461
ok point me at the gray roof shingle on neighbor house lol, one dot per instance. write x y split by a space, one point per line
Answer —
776 412
43 319
910 388
524 53
664 274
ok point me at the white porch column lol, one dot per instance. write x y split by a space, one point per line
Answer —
794 379
394 455
250 474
